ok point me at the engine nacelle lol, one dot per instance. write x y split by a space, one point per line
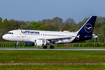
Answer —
40 43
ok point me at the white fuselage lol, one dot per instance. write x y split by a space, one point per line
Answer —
32 35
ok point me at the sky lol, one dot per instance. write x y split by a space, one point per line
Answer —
35 10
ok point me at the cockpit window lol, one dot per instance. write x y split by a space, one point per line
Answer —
10 33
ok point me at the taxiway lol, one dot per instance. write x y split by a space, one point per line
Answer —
53 49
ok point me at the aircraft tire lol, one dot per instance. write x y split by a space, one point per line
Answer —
51 47
45 47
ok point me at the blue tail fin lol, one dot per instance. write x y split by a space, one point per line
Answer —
85 32
88 27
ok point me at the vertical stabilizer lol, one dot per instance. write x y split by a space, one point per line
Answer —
85 32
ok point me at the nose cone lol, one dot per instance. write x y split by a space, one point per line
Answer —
4 37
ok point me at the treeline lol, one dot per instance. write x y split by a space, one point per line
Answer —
55 24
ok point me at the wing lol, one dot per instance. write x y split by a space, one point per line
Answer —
56 39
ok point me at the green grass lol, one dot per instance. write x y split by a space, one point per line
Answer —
52 67
51 56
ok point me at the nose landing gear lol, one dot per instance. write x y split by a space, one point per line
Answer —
16 45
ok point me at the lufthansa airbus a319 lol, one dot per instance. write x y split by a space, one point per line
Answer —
44 38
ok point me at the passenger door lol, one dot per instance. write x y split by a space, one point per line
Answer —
20 36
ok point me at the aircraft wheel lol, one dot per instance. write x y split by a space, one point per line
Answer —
16 45
45 47
51 47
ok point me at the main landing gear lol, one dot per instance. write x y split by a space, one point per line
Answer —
51 47
45 47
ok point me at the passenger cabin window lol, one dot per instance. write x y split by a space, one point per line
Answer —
10 33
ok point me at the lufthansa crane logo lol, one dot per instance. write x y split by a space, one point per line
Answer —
88 28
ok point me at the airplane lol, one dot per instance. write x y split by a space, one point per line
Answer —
44 38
